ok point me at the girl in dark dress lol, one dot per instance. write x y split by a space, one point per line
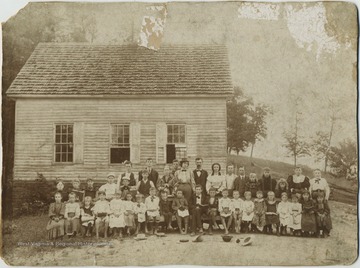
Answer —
298 182
281 187
323 219
271 216
253 185
308 219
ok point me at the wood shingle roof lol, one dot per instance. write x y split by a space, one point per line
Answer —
88 69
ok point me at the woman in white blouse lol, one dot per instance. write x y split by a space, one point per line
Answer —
216 180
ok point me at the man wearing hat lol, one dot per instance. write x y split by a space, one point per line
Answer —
153 174
110 187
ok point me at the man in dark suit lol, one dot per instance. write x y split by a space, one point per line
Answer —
239 183
197 208
153 174
200 175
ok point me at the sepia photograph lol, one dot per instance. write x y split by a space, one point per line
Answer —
219 133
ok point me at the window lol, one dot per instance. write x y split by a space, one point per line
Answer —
120 143
176 143
64 147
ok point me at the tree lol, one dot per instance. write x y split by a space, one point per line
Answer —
257 124
245 122
294 142
343 156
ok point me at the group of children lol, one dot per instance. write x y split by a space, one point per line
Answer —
117 209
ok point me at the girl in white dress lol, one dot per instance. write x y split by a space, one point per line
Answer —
248 211
237 205
116 220
284 211
129 213
295 219
216 180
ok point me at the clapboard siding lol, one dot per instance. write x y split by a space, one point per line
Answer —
205 120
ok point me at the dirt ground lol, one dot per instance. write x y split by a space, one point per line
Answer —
339 248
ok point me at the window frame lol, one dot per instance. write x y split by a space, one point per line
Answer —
177 144
111 124
55 143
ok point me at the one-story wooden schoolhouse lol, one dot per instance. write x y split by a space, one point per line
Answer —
82 109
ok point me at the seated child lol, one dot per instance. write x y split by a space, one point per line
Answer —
101 210
56 224
72 216
180 206
236 208
284 212
110 187
87 217
152 210
116 219
140 212
213 203
166 183
129 213
248 212
225 211
143 186
259 220
75 188
319 185
271 216
166 209
295 219
308 219
282 186
322 212
252 184
197 208
90 190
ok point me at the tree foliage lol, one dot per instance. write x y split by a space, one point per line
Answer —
245 121
343 156
296 145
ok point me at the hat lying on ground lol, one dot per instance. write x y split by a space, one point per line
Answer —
246 241
198 238
140 237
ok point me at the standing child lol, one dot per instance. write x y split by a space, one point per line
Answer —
308 219
295 219
248 212
284 212
55 226
116 219
110 187
282 186
319 185
323 218
72 216
225 211
128 174
144 185
180 205
87 217
129 214
236 208
76 189
125 187
271 216
197 206
90 189
166 209
140 212
152 210
213 203
60 188
259 220
101 210
253 185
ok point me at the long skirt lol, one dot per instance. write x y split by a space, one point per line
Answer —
186 189
324 222
295 222
55 229
308 222
272 219
129 220
116 221
284 219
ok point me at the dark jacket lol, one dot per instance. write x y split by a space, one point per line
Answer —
193 204
239 185
201 180
132 181
268 184
153 176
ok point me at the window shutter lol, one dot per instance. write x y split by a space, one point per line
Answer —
135 130
161 139
79 142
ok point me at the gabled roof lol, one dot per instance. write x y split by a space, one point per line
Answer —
59 69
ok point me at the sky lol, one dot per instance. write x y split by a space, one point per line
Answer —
277 52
